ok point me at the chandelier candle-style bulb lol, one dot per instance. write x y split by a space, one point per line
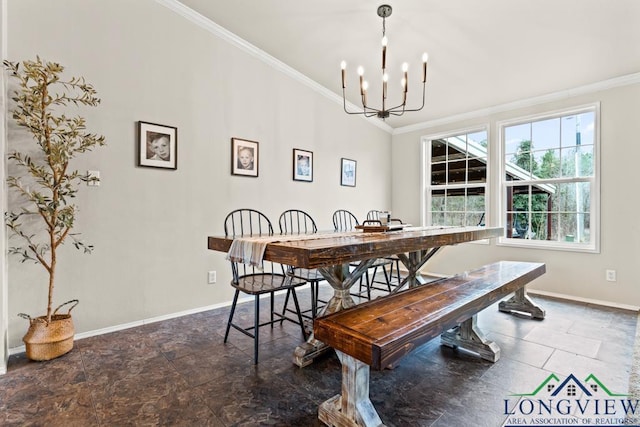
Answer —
405 70
384 52
404 90
365 86
425 58
385 79
384 11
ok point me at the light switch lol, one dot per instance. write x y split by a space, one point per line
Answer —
94 178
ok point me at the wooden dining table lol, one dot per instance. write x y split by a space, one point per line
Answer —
333 254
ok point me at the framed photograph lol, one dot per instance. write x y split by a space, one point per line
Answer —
348 173
244 157
302 165
157 146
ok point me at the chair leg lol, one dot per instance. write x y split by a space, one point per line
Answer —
284 307
272 308
295 301
398 271
371 282
390 276
368 282
387 277
233 310
318 300
256 330
314 299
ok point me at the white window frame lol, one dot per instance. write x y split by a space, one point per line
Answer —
594 209
425 200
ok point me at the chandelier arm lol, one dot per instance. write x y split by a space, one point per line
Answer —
365 113
399 107
424 86
399 110
370 110
344 105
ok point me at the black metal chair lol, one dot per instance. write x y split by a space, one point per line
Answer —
374 215
344 220
295 221
251 280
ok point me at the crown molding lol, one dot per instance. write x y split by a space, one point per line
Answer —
523 103
233 39
247 47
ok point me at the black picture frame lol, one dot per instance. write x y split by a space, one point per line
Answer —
302 165
157 145
245 158
348 172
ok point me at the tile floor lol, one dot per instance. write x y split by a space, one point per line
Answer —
179 373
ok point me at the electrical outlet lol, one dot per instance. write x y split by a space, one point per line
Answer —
611 275
211 277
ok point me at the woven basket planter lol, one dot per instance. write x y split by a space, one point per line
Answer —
48 340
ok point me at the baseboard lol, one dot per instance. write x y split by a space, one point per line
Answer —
428 274
585 300
115 328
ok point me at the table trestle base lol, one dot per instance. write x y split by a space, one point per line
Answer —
352 408
305 353
414 261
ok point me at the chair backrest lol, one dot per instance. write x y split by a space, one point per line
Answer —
344 220
247 222
373 214
294 221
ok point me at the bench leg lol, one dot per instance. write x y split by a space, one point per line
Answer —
520 302
352 407
468 336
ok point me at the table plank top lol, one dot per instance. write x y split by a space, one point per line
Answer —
339 248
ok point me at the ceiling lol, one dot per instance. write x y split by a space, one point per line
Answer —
481 53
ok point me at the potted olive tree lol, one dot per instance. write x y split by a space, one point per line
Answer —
43 216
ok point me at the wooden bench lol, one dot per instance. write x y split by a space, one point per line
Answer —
379 333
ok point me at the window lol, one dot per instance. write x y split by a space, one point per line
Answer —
549 180
457 173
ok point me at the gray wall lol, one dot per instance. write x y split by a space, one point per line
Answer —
149 226
578 275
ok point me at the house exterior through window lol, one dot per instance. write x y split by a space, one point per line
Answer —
545 186
456 193
550 182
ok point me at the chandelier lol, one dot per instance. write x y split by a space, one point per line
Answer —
384 12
